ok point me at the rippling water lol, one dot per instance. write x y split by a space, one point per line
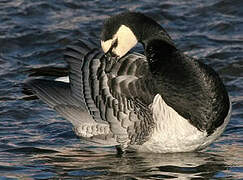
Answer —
36 143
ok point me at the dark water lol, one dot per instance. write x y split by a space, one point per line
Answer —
36 143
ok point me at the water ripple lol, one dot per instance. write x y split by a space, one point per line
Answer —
36 143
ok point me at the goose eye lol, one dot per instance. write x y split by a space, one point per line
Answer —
110 51
114 44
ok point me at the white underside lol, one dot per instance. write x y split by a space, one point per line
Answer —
173 133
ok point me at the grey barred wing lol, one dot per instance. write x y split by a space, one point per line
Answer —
117 94
130 96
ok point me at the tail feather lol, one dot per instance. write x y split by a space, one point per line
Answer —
59 97
54 92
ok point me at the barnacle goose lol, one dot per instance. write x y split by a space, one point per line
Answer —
162 102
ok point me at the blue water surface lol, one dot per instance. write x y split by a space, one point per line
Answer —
36 143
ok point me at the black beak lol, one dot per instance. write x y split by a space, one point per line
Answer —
110 56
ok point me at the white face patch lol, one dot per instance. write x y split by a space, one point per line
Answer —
126 40
106 45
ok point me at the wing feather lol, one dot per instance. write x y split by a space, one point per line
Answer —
106 100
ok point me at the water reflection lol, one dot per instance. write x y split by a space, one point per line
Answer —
105 164
35 143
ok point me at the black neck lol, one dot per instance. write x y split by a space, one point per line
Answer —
191 88
160 53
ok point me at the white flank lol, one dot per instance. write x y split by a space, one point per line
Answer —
173 133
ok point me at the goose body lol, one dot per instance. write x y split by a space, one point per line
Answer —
163 101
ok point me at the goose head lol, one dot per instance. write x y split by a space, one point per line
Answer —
118 44
123 31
